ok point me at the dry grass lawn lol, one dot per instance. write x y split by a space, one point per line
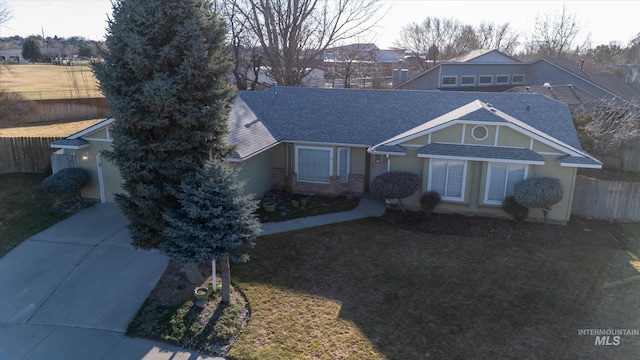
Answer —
50 130
45 81
372 290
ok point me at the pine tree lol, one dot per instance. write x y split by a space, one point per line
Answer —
215 221
163 76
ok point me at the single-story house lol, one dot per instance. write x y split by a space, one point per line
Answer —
470 147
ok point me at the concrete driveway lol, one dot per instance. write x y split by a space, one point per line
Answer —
70 292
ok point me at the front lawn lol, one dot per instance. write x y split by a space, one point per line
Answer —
371 290
25 209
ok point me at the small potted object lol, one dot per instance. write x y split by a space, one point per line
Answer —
201 293
269 206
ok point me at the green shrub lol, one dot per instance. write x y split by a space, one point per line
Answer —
538 192
69 180
429 201
395 185
513 208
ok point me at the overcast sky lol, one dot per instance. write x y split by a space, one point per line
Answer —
604 21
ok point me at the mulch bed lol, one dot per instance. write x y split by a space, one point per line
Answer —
579 231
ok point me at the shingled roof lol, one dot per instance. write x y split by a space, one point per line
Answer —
369 117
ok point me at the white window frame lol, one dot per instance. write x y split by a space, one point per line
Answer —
503 82
485 83
455 77
513 81
464 178
327 149
504 192
473 135
463 77
348 165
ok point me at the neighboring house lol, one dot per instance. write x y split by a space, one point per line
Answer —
470 147
11 56
369 64
483 70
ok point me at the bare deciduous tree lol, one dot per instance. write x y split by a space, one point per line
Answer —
432 40
5 12
243 48
497 37
350 62
293 34
554 35
438 39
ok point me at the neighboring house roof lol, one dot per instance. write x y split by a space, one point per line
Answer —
571 95
608 82
482 55
565 72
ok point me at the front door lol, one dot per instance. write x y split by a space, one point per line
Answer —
379 165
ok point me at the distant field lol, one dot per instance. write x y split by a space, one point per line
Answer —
40 81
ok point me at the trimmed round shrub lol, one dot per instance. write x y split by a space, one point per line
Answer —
429 201
513 208
395 185
69 180
538 192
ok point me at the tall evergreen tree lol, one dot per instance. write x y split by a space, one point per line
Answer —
215 221
31 50
163 76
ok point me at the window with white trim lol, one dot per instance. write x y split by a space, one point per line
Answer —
517 79
479 132
485 79
501 179
448 178
467 80
343 164
314 164
502 79
449 80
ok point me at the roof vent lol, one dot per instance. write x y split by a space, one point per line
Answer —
570 86
528 88
547 85
489 105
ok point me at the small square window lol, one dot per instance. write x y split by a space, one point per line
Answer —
502 79
468 80
449 80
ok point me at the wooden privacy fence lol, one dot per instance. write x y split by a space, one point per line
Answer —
603 199
25 154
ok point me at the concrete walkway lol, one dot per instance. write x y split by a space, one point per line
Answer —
366 208
70 291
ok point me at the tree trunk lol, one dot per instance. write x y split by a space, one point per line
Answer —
213 274
192 273
225 273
